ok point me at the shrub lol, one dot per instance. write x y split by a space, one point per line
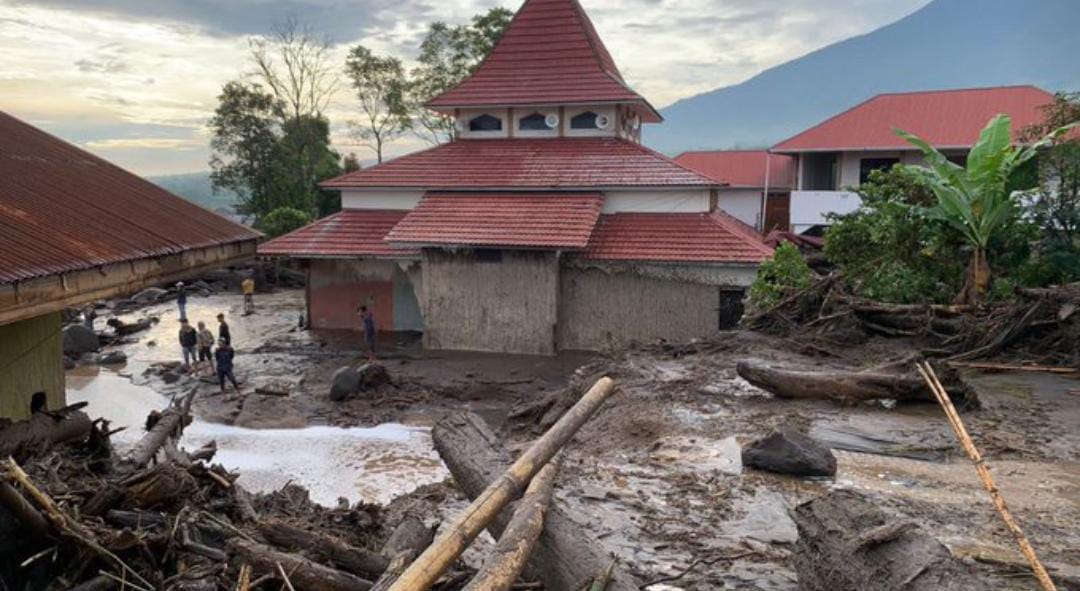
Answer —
785 273
283 220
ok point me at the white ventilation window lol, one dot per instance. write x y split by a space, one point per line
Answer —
485 122
538 122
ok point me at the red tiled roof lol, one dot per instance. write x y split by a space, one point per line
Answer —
530 163
545 220
945 118
347 233
742 168
676 237
63 209
549 54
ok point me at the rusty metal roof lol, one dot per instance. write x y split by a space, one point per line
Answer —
63 209
347 233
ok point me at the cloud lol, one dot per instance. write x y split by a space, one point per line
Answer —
144 143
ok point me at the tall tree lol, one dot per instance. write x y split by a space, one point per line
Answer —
977 199
1055 203
379 83
245 143
447 56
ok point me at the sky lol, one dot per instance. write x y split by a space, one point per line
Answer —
135 81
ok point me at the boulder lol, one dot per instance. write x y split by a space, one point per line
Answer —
373 376
78 340
170 377
112 358
346 382
150 295
69 363
787 451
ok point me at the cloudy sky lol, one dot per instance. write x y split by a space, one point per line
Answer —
135 81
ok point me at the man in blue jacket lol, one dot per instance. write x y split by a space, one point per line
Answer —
224 356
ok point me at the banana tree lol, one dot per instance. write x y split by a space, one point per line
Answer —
976 199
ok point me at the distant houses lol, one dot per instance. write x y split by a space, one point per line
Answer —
816 171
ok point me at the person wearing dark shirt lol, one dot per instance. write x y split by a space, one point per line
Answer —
224 356
223 329
367 320
181 299
188 340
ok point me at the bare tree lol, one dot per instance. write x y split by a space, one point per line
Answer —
296 66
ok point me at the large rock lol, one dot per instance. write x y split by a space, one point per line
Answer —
112 358
345 383
787 451
150 295
373 376
78 340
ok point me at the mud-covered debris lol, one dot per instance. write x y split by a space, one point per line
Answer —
787 451
79 339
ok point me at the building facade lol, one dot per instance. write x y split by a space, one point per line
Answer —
755 186
545 224
75 229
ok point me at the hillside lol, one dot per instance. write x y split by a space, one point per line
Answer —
195 187
946 44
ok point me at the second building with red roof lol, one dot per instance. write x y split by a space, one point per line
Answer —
545 225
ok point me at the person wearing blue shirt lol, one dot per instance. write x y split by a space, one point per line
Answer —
367 320
224 356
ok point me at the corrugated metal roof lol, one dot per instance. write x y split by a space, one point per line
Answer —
63 209
531 163
347 233
534 220
676 237
549 54
945 118
742 168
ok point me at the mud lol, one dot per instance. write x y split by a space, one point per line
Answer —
657 471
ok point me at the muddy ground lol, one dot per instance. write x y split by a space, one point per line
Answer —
657 471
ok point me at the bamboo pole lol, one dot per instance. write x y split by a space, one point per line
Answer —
507 560
426 569
984 474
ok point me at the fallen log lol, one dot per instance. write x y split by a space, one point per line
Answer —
408 540
833 384
355 560
846 543
136 519
168 424
427 569
32 520
302 573
36 435
566 555
507 561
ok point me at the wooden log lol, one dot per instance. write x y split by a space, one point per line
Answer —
21 509
507 561
25 439
169 424
833 384
566 555
349 558
846 543
302 573
407 541
136 519
427 569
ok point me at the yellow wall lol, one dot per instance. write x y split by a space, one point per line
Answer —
31 360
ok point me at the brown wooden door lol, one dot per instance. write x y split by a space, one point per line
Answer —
777 212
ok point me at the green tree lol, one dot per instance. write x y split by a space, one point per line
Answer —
244 143
782 275
379 84
284 220
977 200
447 56
1054 206
350 163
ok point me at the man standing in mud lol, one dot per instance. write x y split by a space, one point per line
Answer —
188 340
367 320
223 329
248 287
224 356
181 299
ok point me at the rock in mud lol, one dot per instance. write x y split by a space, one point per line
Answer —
345 383
373 376
787 451
170 377
78 340
150 295
112 358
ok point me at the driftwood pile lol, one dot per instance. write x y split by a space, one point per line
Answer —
74 514
1039 325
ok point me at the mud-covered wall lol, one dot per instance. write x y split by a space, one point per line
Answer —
338 286
599 308
504 301
31 361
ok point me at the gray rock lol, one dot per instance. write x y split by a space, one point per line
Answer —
767 520
69 363
78 340
787 451
150 295
346 382
170 377
112 358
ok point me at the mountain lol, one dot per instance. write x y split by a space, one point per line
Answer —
945 44
195 187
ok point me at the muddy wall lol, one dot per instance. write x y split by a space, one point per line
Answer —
503 301
338 286
599 308
31 361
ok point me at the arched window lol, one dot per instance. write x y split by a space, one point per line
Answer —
586 120
534 122
485 122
